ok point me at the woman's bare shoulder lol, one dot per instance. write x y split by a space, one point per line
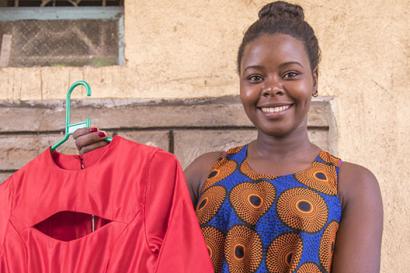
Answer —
197 172
356 180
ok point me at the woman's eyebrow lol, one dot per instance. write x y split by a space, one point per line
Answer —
253 67
290 63
280 66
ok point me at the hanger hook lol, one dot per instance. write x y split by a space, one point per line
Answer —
70 128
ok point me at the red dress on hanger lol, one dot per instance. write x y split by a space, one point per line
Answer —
122 208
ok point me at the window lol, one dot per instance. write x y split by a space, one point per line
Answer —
61 33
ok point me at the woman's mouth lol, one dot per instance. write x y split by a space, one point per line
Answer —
275 109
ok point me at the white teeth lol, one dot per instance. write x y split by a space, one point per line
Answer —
275 109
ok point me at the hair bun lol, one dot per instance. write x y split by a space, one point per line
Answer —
281 10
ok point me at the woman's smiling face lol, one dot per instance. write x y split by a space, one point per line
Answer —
276 83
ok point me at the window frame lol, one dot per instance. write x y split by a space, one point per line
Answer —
10 14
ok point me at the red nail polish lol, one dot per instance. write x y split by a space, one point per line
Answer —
101 134
93 129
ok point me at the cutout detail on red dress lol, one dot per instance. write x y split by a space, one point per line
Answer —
70 225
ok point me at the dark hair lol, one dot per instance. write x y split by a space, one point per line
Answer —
282 17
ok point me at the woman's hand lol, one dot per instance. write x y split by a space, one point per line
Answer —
88 139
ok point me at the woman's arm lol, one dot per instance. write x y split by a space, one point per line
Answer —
197 172
358 241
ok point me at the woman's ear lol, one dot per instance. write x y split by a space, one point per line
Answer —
315 75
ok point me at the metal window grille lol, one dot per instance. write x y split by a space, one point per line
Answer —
58 3
61 35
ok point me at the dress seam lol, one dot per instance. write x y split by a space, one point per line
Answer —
144 207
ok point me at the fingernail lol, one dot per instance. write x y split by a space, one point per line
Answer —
93 129
102 134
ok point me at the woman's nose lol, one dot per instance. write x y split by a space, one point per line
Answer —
272 91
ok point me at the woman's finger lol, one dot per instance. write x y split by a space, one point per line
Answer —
91 147
84 131
89 139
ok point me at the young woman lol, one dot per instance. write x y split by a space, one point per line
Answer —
280 203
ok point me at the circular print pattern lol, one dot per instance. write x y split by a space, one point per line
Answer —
252 200
321 177
209 203
302 209
221 170
309 268
284 253
327 245
243 250
234 150
215 244
247 170
331 159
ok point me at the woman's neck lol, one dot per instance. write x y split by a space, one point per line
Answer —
279 148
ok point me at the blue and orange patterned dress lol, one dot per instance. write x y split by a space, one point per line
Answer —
260 223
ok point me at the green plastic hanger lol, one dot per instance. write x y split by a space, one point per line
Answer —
69 127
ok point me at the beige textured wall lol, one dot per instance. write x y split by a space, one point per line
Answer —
180 48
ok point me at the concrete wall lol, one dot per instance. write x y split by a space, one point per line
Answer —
181 49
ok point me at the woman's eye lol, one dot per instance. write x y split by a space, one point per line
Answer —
255 78
290 75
